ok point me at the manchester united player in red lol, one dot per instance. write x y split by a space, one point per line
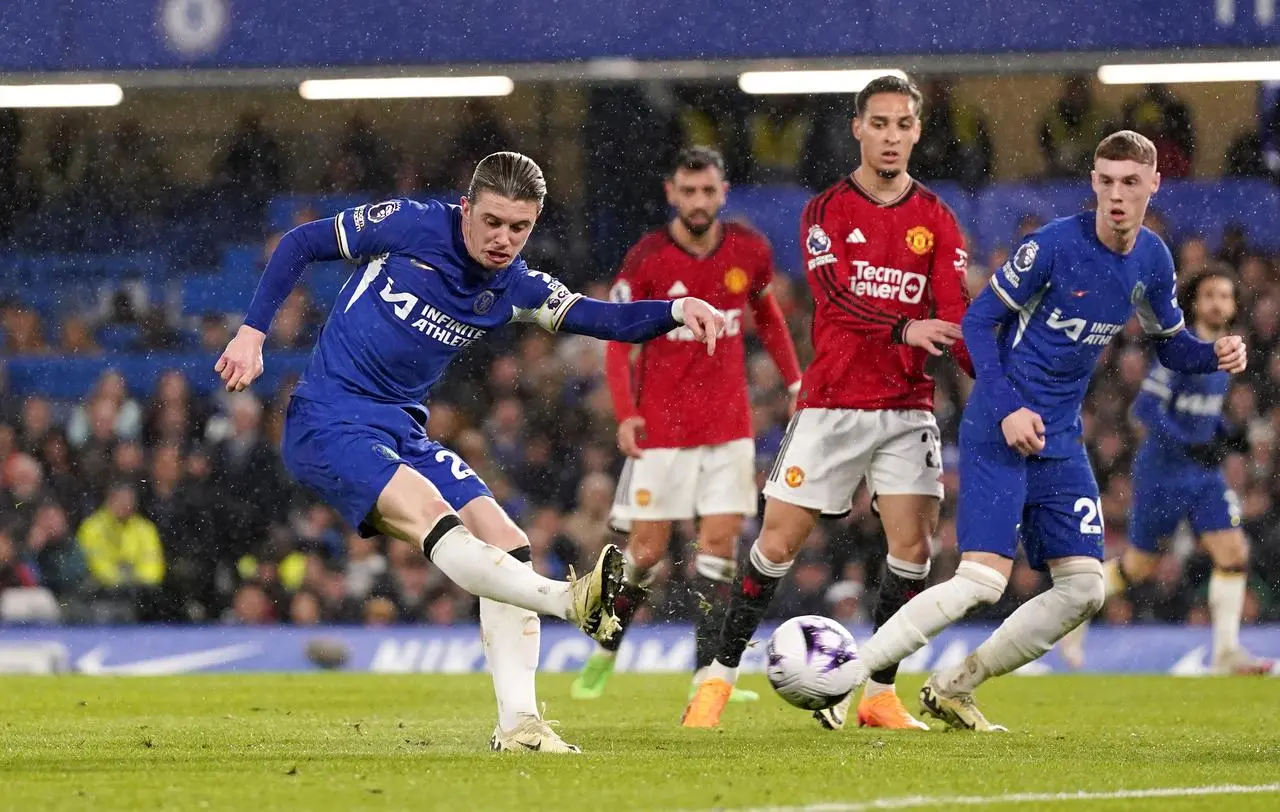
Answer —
884 257
689 456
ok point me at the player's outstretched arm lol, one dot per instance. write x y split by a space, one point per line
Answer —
637 322
316 241
1183 352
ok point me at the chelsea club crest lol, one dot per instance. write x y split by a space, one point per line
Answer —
483 302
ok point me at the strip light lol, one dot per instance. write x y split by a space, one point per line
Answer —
810 81
77 95
406 87
1181 72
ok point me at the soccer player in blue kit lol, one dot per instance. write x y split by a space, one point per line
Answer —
1035 335
432 279
1176 476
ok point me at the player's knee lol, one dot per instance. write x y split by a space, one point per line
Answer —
719 545
1082 586
1231 552
982 584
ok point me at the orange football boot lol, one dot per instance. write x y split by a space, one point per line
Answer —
707 704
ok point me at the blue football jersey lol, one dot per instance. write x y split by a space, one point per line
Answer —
415 301
1178 410
1072 295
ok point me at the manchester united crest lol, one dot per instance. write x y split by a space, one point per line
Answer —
920 240
643 497
794 476
735 280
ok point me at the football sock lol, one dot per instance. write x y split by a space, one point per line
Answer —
632 595
512 638
712 586
902 581
750 598
930 612
488 572
1226 605
1033 628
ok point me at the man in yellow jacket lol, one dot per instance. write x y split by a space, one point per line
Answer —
122 547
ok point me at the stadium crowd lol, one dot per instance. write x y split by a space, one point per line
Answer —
173 506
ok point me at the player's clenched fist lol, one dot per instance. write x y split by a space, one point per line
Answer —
1232 356
1024 432
241 363
704 321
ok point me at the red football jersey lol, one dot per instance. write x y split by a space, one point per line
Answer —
686 397
872 267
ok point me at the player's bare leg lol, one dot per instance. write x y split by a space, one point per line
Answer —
1024 636
1227 586
411 509
910 520
646 550
1133 566
784 529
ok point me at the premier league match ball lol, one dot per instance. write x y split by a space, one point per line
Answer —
811 662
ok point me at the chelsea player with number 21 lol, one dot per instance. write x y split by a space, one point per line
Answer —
432 279
1035 335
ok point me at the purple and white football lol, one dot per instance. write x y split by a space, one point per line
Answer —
811 662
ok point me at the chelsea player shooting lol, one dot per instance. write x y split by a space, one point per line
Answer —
1177 476
1035 335
432 279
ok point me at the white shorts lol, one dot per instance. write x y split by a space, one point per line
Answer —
828 452
673 484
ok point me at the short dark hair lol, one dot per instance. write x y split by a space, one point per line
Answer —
1126 145
1190 290
889 83
511 175
698 158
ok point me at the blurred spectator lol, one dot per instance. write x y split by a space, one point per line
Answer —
24 335
777 134
109 413
1166 120
1071 129
58 558
124 554
14 573
252 166
955 143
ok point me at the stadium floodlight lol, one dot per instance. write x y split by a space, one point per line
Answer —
50 95
407 87
810 81
1181 72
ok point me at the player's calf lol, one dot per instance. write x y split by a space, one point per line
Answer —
930 612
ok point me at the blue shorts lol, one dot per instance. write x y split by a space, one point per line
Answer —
348 453
1161 503
1051 505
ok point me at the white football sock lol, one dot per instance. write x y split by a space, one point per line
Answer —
488 572
1078 592
929 613
1226 605
719 671
512 639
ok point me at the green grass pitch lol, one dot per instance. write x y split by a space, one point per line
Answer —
255 743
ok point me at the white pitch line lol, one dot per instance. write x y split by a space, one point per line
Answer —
919 801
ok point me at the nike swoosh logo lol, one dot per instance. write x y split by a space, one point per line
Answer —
424 266
94 661
528 746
